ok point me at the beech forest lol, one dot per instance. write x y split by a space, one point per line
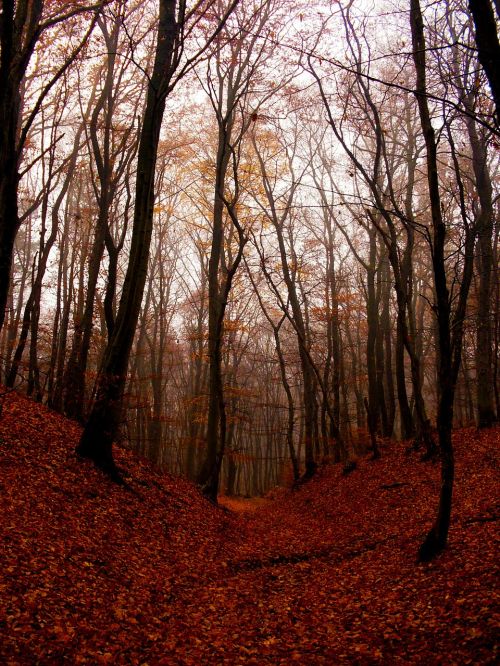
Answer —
249 332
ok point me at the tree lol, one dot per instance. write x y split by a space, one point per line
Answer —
450 324
275 198
380 169
112 146
488 46
102 425
21 26
284 379
60 177
466 82
229 75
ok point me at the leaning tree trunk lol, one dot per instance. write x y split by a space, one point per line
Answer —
437 537
450 332
102 425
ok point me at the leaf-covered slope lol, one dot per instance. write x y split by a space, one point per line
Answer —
89 565
152 574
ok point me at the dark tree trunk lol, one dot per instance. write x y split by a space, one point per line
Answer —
488 46
55 400
12 69
104 419
379 353
450 332
334 326
291 408
231 476
407 425
372 405
484 253
385 323
197 372
437 537
217 302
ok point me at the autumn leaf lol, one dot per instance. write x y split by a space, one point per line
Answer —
153 574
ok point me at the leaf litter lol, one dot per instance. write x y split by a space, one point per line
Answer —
151 573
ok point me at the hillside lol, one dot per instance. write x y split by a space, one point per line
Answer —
95 573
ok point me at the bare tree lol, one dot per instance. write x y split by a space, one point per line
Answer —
21 25
229 75
174 21
450 323
488 46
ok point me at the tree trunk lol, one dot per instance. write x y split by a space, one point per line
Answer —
385 324
484 253
11 75
216 423
291 408
104 419
488 46
9 180
372 405
449 348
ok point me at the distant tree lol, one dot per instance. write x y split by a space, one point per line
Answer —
231 71
275 192
276 326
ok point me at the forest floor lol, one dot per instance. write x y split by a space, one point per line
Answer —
94 573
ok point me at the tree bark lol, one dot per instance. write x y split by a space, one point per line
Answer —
488 46
104 419
449 344
486 416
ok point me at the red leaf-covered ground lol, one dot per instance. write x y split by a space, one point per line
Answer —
95 573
